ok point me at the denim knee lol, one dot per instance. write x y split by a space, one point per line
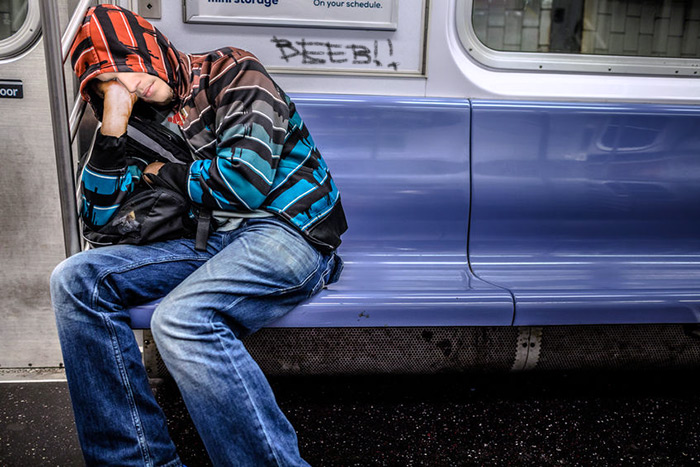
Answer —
73 281
178 329
66 279
163 327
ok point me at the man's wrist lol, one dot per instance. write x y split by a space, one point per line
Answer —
113 129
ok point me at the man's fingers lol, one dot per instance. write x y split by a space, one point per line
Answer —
153 168
102 87
114 90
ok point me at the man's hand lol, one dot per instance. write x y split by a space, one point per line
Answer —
118 104
153 168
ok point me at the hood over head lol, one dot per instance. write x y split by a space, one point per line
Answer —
112 39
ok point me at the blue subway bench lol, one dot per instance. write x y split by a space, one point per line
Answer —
588 213
402 166
499 213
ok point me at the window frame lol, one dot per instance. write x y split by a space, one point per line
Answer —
561 62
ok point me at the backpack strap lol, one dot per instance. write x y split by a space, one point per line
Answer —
203 223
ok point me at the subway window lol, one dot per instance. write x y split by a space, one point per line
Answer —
12 16
637 32
19 26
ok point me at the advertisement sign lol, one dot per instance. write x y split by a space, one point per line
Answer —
342 14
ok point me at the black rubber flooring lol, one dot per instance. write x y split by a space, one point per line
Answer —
641 418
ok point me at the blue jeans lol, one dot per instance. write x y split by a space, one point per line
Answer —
247 278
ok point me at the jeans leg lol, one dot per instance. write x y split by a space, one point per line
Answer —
264 272
118 419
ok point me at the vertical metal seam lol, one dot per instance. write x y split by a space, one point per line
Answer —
61 127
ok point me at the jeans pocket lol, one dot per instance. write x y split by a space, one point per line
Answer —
335 268
331 274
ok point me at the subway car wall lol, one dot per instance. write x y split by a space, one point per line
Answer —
31 239
581 131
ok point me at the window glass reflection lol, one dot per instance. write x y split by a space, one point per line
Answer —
653 28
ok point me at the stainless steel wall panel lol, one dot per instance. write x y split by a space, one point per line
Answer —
31 241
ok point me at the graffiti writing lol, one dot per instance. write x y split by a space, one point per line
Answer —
378 54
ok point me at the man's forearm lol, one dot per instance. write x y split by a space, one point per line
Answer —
118 104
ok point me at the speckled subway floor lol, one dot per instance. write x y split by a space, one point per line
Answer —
641 418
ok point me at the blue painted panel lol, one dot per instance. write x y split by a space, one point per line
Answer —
588 213
402 166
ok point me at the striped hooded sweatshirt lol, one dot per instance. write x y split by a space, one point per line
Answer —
249 150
